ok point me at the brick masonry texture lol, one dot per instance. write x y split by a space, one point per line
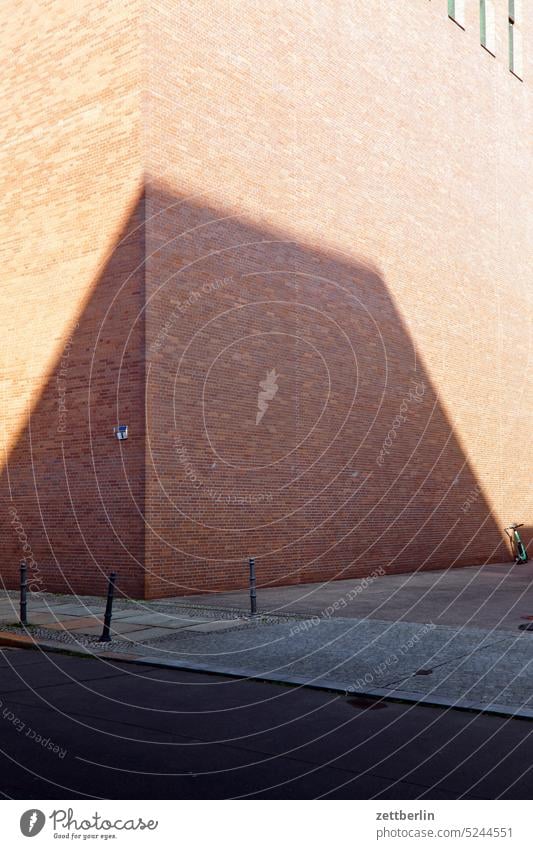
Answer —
72 170
335 194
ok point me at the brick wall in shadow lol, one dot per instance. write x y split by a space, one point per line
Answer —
353 465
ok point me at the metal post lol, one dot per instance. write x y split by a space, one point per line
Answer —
106 638
23 593
253 595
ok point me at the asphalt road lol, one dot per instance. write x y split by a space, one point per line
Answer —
80 728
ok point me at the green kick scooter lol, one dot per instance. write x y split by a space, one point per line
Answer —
518 548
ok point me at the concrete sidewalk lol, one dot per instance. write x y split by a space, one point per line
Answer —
134 622
494 596
414 637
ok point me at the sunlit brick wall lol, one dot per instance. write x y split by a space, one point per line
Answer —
70 142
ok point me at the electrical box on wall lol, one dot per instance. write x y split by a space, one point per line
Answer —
121 431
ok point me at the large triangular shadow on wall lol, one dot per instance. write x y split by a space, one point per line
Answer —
288 417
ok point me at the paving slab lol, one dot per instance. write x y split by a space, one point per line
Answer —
217 625
139 636
161 620
119 614
9 618
68 609
127 627
67 623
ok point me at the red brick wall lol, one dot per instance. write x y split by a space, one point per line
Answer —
337 193
355 175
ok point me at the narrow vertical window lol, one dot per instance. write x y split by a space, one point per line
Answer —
487 25
515 38
456 11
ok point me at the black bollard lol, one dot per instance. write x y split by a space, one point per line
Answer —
106 638
23 593
253 595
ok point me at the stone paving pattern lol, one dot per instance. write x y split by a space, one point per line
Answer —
393 637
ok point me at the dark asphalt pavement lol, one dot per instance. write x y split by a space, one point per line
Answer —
79 728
